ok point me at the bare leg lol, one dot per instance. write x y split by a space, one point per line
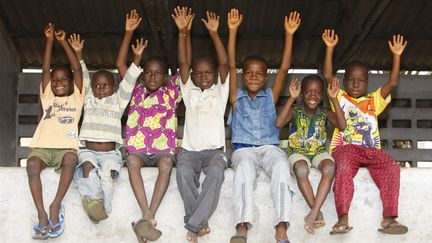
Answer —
301 171
34 167
327 168
164 165
134 164
281 229
68 168
86 168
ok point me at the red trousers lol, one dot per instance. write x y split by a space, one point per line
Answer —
383 169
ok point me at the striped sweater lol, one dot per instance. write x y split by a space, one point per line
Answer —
102 117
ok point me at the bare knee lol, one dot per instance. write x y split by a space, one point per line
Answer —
301 169
87 167
133 162
34 166
328 168
69 160
165 165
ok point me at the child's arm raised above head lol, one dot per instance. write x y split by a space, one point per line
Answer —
46 64
234 21
336 118
77 76
212 25
330 39
131 24
77 45
396 47
287 112
182 17
188 38
138 50
291 25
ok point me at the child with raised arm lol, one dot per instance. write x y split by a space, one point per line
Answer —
255 138
307 140
100 161
358 145
205 93
151 134
55 141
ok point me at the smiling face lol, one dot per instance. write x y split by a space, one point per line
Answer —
356 81
102 84
254 76
203 73
154 75
312 94
61 82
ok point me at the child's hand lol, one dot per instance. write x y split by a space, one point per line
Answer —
292 22
333 88
60 35
49 31
234 19
398 45
139 47
330 38
212 22
76 43
189 27
132 21
182 16
294 88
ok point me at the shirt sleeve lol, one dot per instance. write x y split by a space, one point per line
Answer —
126 86
86 76
46 94
379 101
174 87
185 89
223 90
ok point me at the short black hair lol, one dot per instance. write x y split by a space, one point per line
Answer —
161 60
104 73
255 58
355 64
65 68
204 58
311 77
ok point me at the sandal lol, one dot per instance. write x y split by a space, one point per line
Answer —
394 228
40 233
60 224
336 229
94 209
144 229
238 239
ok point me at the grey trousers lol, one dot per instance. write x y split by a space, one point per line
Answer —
247 163
199 206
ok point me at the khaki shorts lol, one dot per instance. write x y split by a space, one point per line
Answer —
316 160
51 157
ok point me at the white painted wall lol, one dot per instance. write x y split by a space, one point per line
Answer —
18 214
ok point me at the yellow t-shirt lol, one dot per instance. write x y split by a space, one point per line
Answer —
361 116
58 127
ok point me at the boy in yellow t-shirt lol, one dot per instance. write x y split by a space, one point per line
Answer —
54 143
358 145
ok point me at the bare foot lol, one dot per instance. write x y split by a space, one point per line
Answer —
309 223
191 237
204 231
281 234
319 221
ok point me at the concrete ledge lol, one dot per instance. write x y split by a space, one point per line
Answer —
18 214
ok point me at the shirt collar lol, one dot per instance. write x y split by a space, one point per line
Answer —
244 93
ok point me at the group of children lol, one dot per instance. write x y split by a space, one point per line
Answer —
206 85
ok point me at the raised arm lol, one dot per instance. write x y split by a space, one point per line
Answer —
132 22
212 24
336 118
291 25
234 21
397 47
287 112
188 38
330 39
138 50
78 45
46 64
77 76
182 17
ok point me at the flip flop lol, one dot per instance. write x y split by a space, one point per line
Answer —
337 232
394 228
94 209
144 229
40 233
61 224
238 239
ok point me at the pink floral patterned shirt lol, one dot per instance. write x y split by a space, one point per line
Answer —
151 126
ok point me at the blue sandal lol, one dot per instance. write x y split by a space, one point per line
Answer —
40 233
60 224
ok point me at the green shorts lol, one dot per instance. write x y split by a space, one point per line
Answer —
51 157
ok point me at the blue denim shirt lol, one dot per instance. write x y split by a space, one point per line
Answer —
253 121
